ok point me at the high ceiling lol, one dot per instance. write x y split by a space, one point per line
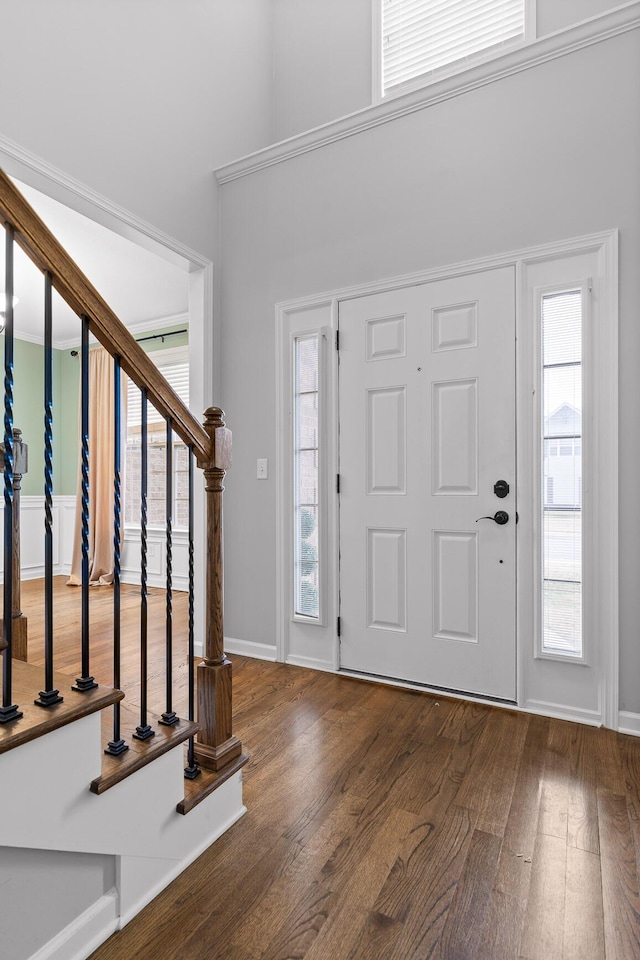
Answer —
139 286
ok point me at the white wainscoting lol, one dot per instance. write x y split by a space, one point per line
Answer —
32 536
156 558
64 514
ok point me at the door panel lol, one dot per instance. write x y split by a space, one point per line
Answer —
427 426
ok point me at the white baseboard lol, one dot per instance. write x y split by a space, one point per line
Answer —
249 648
311 663
560 711
84 934
629 723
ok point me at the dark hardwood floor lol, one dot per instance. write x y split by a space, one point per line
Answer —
384 824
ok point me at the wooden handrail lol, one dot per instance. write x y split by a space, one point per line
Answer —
37 241
217 748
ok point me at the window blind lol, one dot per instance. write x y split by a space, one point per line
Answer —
176 373
421 36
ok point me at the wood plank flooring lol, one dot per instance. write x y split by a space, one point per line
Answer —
384 824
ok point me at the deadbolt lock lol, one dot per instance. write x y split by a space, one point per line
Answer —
501 488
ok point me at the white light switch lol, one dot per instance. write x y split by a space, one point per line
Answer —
262 470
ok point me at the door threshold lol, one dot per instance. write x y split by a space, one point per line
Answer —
427 688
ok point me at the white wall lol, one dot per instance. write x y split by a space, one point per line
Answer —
547 154
321 62
140 100
552 15
51 886
322 56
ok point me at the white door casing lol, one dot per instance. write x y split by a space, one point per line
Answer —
587 693
427 427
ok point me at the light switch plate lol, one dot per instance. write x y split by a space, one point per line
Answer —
263 470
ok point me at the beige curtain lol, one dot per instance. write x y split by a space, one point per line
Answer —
101 439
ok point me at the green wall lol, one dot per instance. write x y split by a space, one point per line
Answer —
29 415
29 409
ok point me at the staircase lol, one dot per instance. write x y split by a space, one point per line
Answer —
98 811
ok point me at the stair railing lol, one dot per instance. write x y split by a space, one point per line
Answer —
209 445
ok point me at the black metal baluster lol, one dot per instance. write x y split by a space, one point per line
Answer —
144 730
48 696
8 711
169 717
192 769
116 746
85 682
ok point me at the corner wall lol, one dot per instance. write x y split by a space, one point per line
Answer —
140 100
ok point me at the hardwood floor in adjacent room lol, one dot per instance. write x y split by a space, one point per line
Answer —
385 824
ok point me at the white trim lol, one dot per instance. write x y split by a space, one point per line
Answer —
19 162
85 933
157 557
555 710
310 663
614 22
542 251
288 328
376 51
560 711
606 488
629 723
249 648
159 324
605 243
601 528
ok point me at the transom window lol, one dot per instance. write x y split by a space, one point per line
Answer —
421 38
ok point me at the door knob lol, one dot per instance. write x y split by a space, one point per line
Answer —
500 517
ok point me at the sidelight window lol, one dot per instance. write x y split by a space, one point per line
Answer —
561 456
306 477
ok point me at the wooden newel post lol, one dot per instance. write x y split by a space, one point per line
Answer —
215 745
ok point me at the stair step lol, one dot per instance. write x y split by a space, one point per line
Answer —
140 752
27 681
206 782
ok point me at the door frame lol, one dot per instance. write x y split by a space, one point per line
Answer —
204 331
325 651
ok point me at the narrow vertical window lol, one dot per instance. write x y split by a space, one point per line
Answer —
305 427
561 458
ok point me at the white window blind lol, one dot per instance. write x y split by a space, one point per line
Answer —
422 36
174 366
176 372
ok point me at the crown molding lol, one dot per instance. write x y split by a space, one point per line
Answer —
19 162
158 324
614 22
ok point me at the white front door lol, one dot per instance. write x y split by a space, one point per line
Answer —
427 428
